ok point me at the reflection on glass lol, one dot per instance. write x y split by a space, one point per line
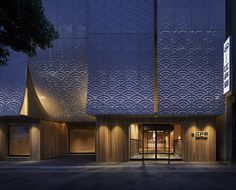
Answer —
19 144
155 141
82 140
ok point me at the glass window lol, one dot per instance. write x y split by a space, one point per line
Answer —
82 140
19 144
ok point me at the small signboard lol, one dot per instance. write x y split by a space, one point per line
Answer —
226 69
200 135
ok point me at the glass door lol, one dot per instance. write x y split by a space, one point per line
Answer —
156 141
149 142
165 141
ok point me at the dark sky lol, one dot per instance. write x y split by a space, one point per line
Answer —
15 70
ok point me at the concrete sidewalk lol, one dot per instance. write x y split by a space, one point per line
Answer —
77 172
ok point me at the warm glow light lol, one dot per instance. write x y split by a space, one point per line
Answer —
43 98
134 131
24 107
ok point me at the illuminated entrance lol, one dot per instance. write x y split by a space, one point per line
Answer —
149 141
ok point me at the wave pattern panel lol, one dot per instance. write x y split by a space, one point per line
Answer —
190 68
120 57
60 74
12 84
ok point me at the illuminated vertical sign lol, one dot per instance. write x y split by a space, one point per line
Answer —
226 71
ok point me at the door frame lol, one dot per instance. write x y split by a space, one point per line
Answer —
155 126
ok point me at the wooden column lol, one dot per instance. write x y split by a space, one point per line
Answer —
3 141
53 139
35 142
111 141
155 38
48 140
199 150
221 138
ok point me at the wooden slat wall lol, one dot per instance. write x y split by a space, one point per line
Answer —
221 137
3 141
35 142
54 139
112 142
199 150
50 139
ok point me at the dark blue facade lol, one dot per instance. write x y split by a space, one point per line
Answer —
60 74
121 47
12 84
103 62
190 56
120 57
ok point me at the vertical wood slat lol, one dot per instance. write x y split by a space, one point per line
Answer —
35 142
54 139
155 57
3 141
113 141
221 137
200 150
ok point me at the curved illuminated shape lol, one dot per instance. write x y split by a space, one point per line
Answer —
60 74
103 61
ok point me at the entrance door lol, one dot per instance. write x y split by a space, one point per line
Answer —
149 142
155 141
165 141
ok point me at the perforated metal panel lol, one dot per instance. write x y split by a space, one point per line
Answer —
190 57
120 57
12 84
103 61
60 75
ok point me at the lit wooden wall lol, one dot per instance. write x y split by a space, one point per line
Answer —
3 141
50 139
53 139
35 142
82 140
221 136
199 150
112 140
47 139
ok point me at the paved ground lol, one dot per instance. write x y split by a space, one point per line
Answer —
82 172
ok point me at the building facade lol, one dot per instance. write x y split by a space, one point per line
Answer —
126 80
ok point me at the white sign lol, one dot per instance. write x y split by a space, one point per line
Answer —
226 71
200 135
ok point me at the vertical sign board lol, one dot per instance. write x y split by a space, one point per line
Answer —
226 70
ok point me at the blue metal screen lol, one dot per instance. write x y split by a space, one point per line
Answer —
190 56
120 57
